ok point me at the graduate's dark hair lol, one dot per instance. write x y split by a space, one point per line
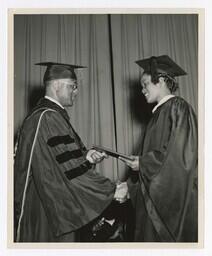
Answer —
169 80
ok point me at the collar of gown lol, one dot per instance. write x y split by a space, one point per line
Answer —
163 100
55 101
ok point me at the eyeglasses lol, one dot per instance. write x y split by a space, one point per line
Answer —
74 87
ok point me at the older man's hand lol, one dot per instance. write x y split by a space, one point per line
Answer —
94 156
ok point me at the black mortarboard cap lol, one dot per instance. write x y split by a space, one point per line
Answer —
161 65
59 70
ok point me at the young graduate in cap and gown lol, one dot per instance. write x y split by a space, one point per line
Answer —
56 189
165 195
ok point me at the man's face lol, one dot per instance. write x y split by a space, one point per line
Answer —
66 91
150 90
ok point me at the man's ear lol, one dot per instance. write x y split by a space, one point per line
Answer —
56 85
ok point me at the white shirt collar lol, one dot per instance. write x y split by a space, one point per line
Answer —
163 100
53 100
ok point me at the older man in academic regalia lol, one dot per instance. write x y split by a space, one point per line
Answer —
56 189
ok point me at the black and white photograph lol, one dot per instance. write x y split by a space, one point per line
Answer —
105 128
105 139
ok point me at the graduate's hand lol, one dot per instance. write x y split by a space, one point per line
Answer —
121 193
94 156
133 164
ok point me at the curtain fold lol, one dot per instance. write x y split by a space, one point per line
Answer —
109 88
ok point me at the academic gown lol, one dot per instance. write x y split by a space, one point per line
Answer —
165 195
56 189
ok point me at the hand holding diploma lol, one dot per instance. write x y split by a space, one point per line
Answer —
133 163
111 152
94 156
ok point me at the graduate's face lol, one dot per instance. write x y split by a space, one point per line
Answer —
150 90
67 91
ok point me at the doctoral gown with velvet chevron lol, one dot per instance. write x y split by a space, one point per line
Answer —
165 197
59 192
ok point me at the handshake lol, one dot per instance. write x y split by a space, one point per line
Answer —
121 193
94 156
